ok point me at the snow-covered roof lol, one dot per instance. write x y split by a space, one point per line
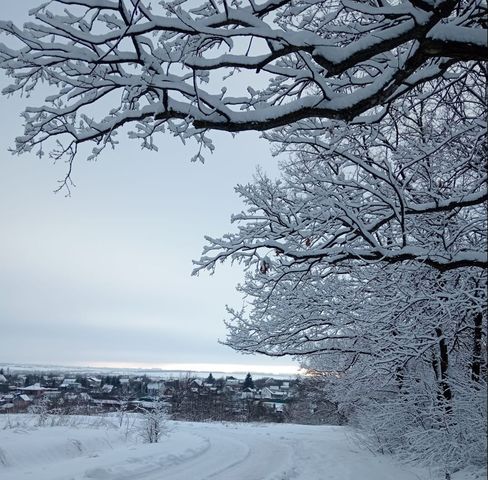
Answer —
52 393
70 384
232 381
25 398
154 386
36 387
107 402
279 394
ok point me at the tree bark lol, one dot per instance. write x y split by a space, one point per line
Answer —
445 388
476 362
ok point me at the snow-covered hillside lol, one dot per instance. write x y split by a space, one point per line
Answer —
192 451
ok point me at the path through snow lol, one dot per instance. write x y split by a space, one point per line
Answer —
194 451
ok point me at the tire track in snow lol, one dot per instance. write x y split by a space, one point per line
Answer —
223 453
267 459
3 458
236 455
150 467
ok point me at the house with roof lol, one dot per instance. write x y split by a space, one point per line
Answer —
155 389
107 388
34 390
6 402
196 385
3 384
21 402
7 398
70 384
232 381
57 380
20 380
94 382
275 406
124 384
6 407
248 393
274 399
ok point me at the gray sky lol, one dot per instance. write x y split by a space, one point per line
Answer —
103 277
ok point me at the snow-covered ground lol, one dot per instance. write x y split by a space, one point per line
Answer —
191 451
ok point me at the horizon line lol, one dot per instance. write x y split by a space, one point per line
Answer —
171 367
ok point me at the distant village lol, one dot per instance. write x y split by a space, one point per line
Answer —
184 398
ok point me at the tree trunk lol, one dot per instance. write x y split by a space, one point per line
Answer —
445 389
476 362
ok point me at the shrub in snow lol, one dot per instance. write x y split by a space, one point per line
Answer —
41 410
153 423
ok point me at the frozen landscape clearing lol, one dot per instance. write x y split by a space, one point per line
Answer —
193 451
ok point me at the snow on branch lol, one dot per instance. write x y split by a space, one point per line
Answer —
409 189
133 62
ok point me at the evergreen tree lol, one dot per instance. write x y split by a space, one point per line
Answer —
210 379
248 382
82 380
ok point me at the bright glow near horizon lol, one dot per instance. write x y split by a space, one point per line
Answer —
203 367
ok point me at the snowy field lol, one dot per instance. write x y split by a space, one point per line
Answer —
90 448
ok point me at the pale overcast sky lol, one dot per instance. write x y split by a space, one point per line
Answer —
103 277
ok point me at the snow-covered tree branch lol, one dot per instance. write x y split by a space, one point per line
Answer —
412 188
156 65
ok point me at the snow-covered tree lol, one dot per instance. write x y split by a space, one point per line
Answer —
366 260
233 66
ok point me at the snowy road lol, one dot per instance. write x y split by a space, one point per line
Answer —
194 451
